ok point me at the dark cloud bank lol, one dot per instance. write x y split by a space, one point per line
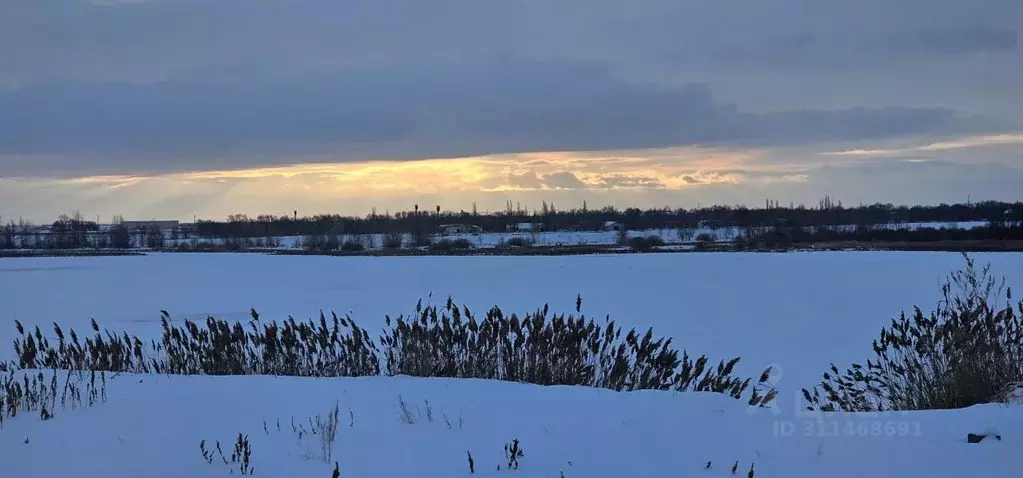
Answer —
162 85
498 107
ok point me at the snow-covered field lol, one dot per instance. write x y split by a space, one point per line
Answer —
799 311
153 429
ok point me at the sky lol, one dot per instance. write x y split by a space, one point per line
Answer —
174 109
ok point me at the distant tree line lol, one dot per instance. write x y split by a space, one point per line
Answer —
771 223
73 231
417 221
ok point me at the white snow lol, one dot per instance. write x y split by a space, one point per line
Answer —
152 429
799 311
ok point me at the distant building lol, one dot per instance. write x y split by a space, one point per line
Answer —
460 229
149 224
612 226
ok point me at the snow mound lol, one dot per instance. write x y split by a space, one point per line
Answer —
151 426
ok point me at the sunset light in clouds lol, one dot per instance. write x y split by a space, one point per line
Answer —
642 178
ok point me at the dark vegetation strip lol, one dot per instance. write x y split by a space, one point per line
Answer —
418 221
494 251
968 351
926 246
947 246
538 348
16 253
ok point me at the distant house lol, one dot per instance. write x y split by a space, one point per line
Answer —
612 226
460 229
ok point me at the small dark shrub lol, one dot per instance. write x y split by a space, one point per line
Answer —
321 242
686 232
352 246
704 240
968 351
392 240
420 236
517 242
645 243
445 245
778 237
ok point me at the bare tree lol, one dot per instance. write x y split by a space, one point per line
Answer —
120 236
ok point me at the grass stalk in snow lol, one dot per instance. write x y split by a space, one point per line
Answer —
241 457
513 451
32 392
326 429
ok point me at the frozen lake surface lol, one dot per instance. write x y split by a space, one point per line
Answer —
799 311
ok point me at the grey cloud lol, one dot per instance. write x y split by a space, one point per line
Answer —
527 180
162 39
170 85
847 50
532 180
111 3
913 182
388 114
864 123
116 122
690 179
975 39
563 180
